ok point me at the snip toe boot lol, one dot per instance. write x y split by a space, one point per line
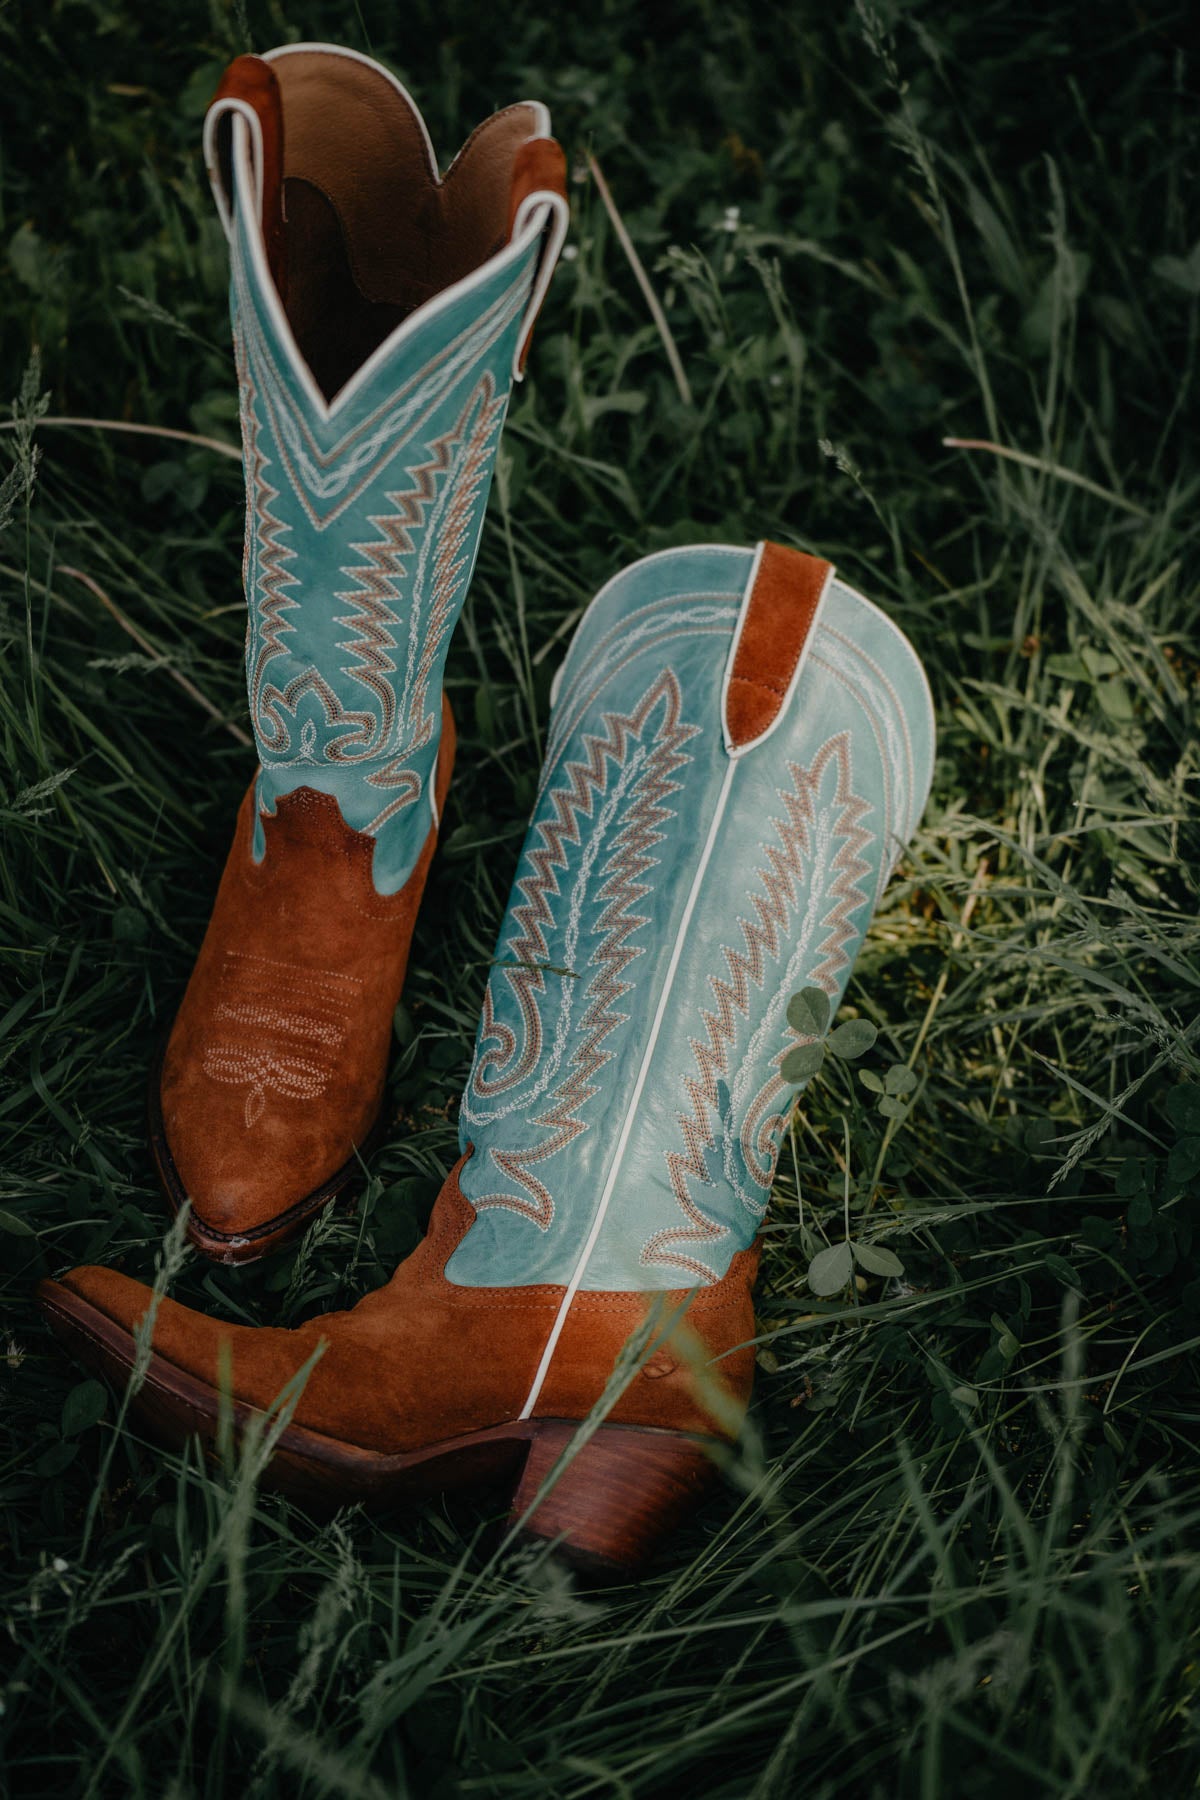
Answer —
380 316
739 747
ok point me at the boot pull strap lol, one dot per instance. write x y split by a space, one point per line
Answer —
539 185
770 643
249 91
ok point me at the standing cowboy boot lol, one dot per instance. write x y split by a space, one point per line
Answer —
739 747
380 316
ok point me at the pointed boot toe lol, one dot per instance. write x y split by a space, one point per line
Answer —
105 1293
267 1097
96 1315
196 1367
418 1390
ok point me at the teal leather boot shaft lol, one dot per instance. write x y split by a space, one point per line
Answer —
677 885
364 505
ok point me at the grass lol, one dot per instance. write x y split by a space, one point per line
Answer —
955 1556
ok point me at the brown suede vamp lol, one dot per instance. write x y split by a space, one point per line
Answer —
422 1360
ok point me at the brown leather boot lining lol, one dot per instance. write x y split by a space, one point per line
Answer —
370 234
336 327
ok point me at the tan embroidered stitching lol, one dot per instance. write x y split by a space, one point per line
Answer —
760 681
267 1018
272 1002
293 1077
271 962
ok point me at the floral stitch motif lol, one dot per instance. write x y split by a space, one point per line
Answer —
261 1073
281 1029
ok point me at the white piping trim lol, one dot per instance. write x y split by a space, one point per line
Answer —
415 322
532 219
657 556
794 680
212 159
631 1110
378 68
541 113
539 109
267 291
550 209
743 613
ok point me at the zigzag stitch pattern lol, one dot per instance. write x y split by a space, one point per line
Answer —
622 889
378 577
270 575
456 542
762 938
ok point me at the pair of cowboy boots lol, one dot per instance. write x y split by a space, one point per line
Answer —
739 746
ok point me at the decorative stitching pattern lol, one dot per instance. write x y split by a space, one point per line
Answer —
620 790
459 462
282 1028
265 575
452 529
636 1122
836 867
345 468
875 692
353 589
651 628
818 837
